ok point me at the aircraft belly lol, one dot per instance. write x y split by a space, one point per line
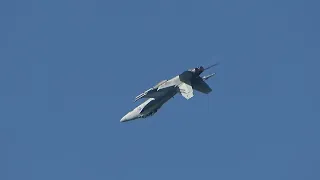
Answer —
150 107
156 94
157 103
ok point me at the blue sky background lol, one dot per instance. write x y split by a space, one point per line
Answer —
70 69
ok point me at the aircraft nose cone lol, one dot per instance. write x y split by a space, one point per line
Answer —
123 119
130 116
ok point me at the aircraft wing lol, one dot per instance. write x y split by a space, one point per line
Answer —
186 90
150 93
201 86
142 95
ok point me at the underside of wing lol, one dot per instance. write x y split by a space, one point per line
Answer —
186 90
201 86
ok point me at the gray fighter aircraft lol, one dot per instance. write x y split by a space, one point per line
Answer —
167 89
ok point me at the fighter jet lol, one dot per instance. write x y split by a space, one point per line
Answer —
158 95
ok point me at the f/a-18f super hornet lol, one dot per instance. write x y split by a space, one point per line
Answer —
183 84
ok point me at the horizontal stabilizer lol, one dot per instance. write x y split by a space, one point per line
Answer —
199 85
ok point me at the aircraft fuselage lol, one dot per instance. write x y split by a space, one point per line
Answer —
150 106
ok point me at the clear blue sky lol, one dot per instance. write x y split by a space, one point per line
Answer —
70 69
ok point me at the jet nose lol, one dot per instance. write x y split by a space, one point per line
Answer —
123 119
130 116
